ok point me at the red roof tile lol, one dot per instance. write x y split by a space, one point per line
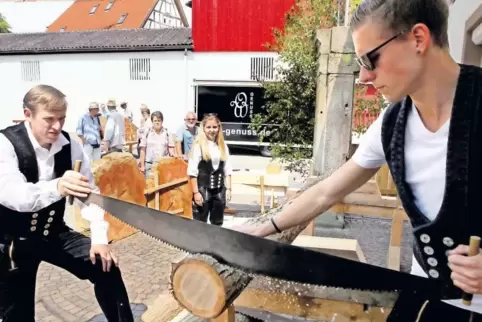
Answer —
77 17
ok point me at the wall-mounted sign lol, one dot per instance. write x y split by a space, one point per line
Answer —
235 107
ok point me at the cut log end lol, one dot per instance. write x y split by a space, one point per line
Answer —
205 287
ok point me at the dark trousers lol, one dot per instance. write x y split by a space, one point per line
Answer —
409 308
70 251
214 202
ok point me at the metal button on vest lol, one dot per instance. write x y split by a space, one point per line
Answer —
428 250
52 212
46 232
432 261
47 226
449 242
35 215
433 273
33 228
34 222
425 238
50 219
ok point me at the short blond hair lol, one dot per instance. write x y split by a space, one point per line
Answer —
48 96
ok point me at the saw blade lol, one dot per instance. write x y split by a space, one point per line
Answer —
262 256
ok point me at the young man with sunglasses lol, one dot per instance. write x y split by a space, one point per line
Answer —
429 138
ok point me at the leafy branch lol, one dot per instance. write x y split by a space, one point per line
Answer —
289 113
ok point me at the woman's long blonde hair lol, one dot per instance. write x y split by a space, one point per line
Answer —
202 140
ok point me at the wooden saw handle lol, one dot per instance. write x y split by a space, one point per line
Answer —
474 249
77 165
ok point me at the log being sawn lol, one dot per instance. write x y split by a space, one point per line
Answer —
207 288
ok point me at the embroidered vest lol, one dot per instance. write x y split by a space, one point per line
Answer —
208 177
47 220
459 216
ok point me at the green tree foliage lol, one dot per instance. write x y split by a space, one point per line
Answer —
4 26
290 108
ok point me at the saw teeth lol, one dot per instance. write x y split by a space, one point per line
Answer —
254 275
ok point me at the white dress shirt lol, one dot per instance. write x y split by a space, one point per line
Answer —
22 196
215 153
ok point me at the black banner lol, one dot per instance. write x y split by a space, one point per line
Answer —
233 104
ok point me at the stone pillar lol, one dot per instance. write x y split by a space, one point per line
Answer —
334 104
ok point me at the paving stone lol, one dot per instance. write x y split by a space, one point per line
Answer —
145 265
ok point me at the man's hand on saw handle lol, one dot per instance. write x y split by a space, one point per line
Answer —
466 270
74 184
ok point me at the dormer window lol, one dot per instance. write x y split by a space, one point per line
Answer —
63 29
109 5
94 8
122 18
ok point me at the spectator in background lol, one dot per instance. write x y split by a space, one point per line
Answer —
103 110
126 112
89 131
145 124
145 116
114 139
186 135
155 143
210 170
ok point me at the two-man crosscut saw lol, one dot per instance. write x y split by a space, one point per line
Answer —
345 279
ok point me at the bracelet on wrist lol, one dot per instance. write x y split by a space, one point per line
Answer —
275 226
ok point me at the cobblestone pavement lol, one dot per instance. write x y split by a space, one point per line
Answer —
145 267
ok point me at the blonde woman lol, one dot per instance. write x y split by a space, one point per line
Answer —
210 170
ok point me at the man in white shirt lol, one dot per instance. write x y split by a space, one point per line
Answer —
114 137
36 158
402 49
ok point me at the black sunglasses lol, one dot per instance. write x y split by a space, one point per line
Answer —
369 60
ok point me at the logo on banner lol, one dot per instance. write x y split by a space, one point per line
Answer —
240 104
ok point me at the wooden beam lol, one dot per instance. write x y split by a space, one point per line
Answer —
157 202
341 247
165 185
270 180
364 210
396 237
308 307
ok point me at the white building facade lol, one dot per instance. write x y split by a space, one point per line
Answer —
163 78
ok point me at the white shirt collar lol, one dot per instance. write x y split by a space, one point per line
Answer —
56 146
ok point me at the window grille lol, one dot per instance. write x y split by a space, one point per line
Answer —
262 68
140 68
30 71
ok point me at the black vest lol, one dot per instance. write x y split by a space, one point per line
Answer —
49 219
459 216
209 178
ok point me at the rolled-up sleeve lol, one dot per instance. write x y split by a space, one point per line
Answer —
193 163
93 214
15 192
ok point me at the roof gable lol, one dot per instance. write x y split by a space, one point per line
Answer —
96 41
104 14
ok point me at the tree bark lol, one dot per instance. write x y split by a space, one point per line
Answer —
206 287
